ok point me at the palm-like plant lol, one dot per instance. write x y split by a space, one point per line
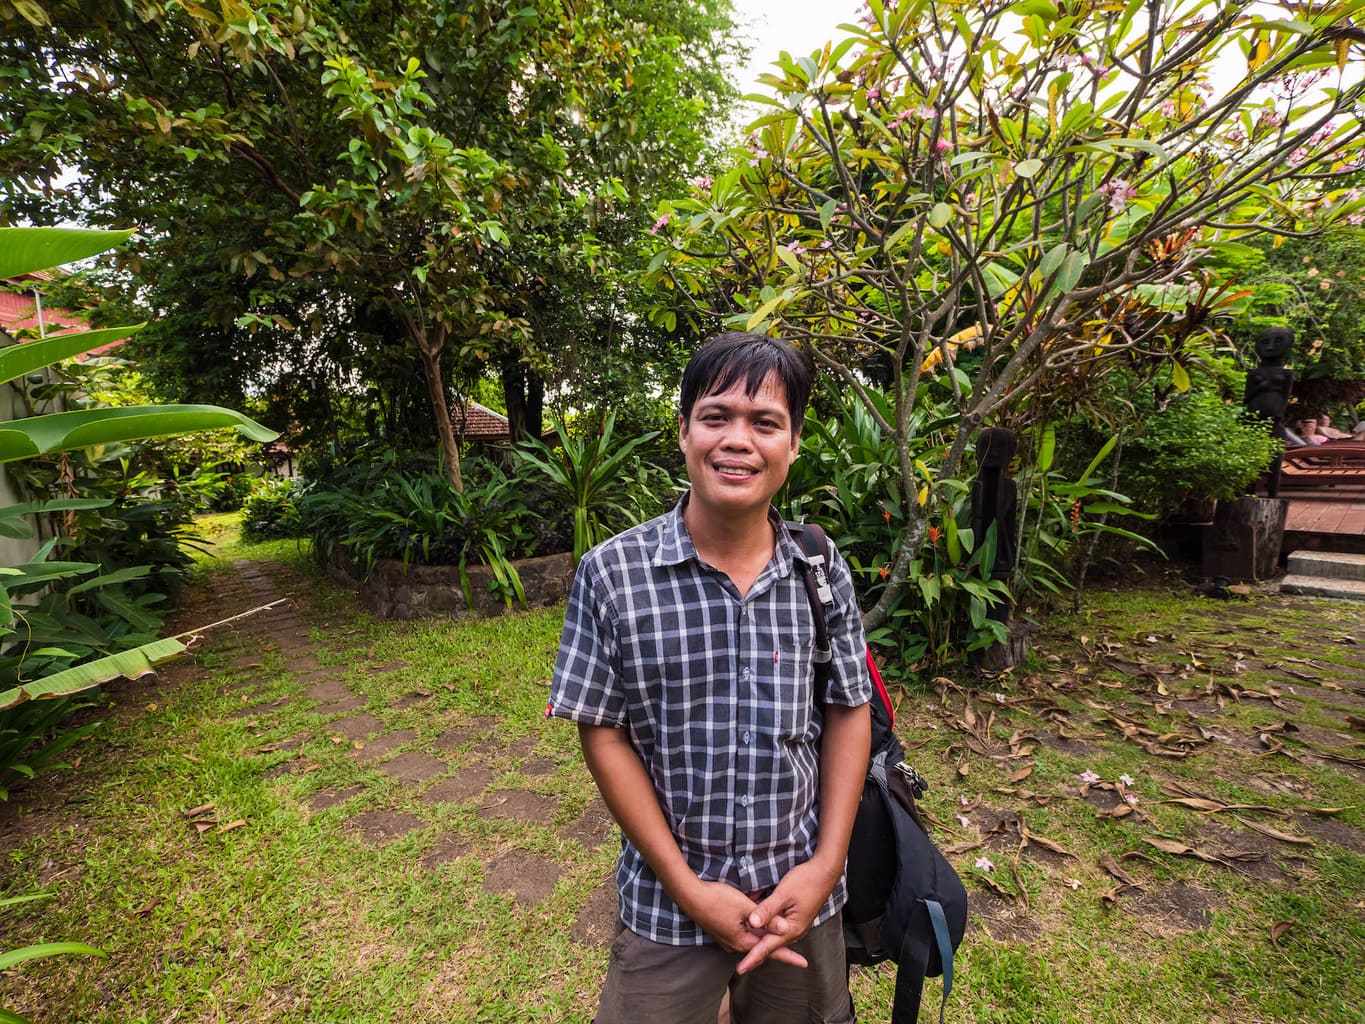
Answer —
588 474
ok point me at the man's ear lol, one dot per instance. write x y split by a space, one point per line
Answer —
796 445
682 434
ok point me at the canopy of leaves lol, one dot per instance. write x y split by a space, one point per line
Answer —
1009 193
319 180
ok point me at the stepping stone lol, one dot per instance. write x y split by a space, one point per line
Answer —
359 727
539 766
256 710
247 661
518 749
519 805
330 797
317 675
447 848
332 689
377 749
596 923
457 735
458 788
528 877
411 700
300 663
340 707
594 828
384 825
414 766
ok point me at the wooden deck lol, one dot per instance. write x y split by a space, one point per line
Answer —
1325 523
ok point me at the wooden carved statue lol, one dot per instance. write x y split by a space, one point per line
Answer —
1268 389
995 501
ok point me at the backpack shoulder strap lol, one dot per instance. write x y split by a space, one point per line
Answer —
814 544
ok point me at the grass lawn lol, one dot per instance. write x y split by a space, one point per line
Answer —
323 817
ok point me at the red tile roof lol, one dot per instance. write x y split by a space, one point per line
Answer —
475 422
19 310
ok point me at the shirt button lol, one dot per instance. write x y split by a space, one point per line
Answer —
744 674
746 860
745 736
744 800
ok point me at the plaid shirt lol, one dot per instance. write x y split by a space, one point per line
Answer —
717 695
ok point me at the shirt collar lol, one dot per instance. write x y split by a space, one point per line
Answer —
676 547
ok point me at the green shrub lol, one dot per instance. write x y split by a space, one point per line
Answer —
271 511
1200 447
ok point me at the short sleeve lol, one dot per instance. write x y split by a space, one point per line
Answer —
849 681
586 686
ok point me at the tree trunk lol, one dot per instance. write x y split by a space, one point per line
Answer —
524 392
431 344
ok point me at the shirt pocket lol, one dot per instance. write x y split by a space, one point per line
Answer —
794 677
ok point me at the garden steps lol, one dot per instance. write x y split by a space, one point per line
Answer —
1339 575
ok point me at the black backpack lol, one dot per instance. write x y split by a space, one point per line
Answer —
905 902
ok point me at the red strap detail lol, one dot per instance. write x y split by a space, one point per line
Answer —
881 688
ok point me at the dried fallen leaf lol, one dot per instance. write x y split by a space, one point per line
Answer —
195 812
1196 804
1326 812
1273 833
1021 774
203 826
232 825
1278 929
959 848
191 758
1110 865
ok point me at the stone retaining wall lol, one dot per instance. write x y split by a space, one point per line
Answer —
419 591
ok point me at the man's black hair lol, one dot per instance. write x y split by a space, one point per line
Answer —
725 360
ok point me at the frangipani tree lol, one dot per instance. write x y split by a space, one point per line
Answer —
1035 182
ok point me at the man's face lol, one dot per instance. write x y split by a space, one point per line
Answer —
738 449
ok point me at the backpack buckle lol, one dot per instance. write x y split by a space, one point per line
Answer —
918 784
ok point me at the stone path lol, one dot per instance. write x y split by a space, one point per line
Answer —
471 756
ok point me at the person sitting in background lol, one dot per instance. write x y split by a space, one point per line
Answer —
1325 429
1308 431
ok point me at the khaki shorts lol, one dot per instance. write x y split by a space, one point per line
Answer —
685 984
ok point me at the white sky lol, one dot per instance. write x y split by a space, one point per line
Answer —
797 26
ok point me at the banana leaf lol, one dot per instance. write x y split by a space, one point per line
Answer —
25 250
137 662
84 428
17 360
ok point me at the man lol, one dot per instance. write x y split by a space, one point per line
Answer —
686 662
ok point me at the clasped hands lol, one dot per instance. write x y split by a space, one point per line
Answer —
765 929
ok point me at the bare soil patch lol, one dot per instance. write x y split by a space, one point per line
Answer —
596 923
330 797
331 689
358 728
1175 909
381 747
1004 920
384 825
410 700
460 734
469 783
530 878
339 707
447 849
595 827
537 766
519 805
413 766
